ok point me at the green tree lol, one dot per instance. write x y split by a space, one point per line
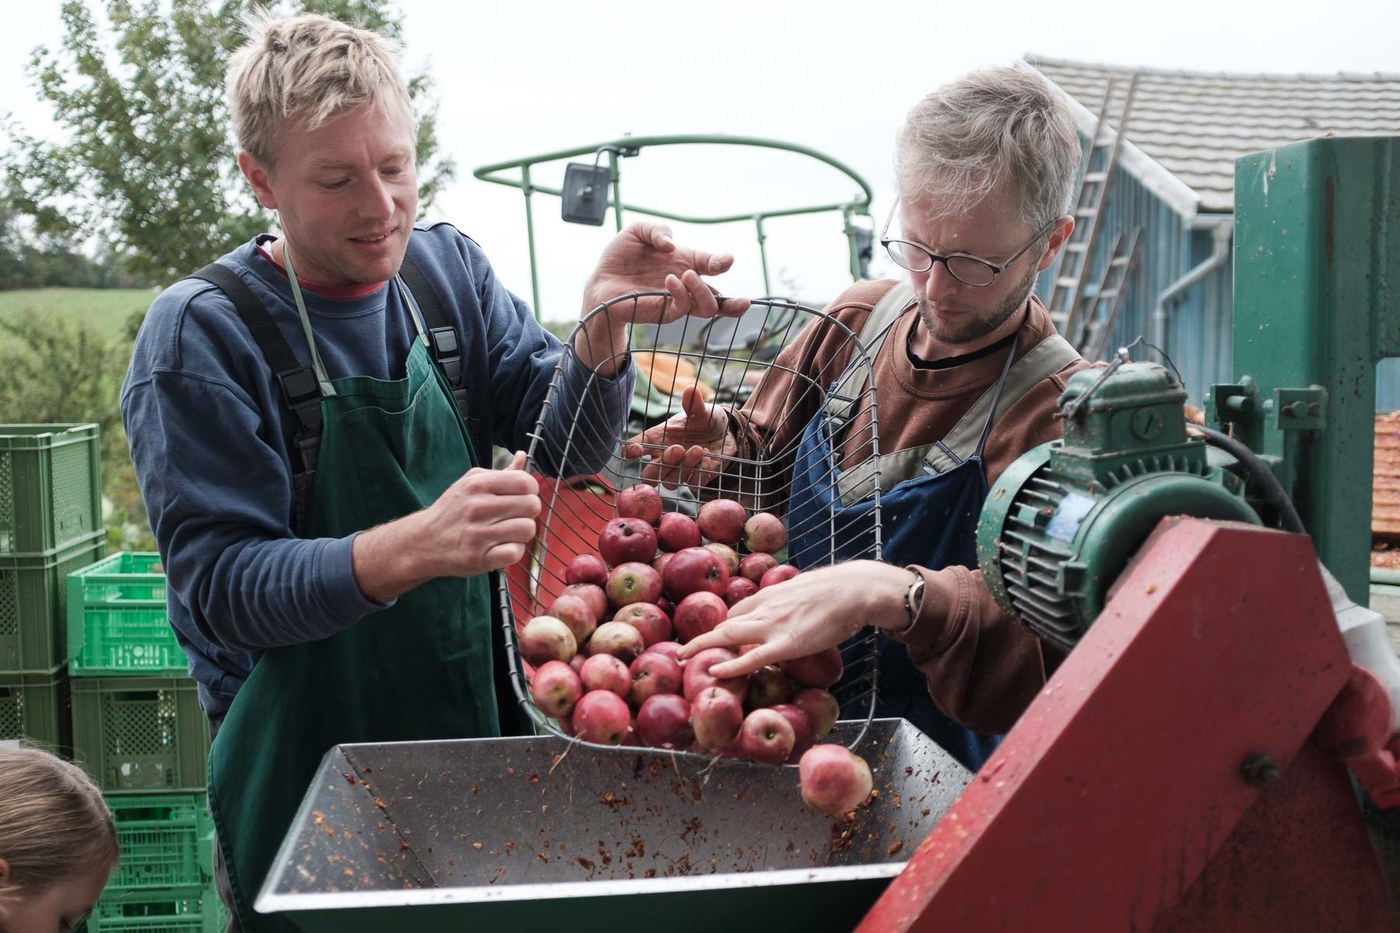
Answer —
148 162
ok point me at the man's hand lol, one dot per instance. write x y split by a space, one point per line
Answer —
644 257
808 613
483 522
684 447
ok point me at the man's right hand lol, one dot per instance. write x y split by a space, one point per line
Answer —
484 521
685 449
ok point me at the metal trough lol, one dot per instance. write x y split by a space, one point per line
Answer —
533 833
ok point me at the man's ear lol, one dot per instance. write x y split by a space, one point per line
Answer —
257 176
1059 236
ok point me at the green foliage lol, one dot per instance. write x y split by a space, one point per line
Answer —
149 160
112 313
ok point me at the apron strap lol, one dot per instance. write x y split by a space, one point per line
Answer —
841 400
968 436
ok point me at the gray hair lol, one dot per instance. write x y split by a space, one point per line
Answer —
304 70
995 124
54 824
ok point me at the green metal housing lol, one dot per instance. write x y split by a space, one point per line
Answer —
1063 521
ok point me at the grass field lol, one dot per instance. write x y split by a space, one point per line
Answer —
107 309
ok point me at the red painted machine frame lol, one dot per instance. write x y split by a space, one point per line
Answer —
1164 779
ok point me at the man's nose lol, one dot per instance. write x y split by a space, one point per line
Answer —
937 281
379 198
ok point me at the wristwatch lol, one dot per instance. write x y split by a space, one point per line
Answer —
913 600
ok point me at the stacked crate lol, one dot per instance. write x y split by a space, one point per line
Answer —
139 730
50 525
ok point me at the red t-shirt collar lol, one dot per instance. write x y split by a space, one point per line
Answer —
320 288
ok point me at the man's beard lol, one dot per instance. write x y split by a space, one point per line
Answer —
976 327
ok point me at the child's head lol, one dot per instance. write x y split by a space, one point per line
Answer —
58 843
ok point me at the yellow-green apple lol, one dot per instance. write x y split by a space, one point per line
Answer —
633 582
619 639
546 638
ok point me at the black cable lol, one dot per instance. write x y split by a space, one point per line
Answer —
1259 470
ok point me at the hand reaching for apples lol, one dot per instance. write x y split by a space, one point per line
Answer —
684 448
811 612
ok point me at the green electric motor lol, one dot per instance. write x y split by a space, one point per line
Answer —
1062 522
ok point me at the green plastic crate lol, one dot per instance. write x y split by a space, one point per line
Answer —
50 485
34 604
166 841
35 707
116 619
189 910
140 734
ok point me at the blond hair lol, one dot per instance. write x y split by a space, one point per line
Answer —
301 71
54 824
988 127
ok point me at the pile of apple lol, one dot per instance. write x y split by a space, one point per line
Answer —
602 660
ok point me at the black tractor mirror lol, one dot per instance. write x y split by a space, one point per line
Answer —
585 196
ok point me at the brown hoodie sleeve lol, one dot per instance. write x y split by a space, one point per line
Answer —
982 665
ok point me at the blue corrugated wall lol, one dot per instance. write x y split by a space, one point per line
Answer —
1198 326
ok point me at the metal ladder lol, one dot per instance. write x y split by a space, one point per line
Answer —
1070 309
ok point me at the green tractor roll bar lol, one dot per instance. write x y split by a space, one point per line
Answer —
859 239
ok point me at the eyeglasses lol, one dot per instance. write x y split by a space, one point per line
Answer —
967 269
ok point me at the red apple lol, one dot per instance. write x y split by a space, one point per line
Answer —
768 686
664 721
633 582
764 532
834 780
777 574
722 520
556 688
586 568
601 716
640 501
545 638
648 619
576 662
592 593
627 539
821 708
658 563
754 566
576 613
767 737
618 639
697 614
739 589
801 728
820 669
697 677
653 673
692 570
716 716
605 672
669 648
677 531
728 555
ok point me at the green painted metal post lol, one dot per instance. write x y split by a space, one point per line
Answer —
1313 271
529 190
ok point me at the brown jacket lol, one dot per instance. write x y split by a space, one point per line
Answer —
983 667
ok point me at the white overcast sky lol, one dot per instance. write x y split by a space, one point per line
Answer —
523 78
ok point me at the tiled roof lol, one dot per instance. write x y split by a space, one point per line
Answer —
1193 125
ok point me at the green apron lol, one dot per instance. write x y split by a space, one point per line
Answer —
420 669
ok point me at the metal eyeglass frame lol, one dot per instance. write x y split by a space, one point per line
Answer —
997 267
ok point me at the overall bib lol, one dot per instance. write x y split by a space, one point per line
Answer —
419 669
930 500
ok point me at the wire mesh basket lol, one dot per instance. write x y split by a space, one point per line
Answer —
772 383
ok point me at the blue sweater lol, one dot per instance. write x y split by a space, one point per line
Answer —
211 440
